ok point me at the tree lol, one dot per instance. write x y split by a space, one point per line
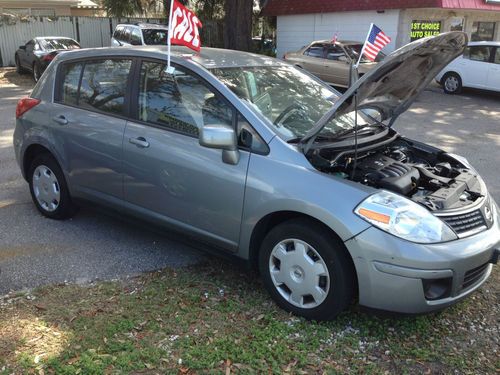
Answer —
238 24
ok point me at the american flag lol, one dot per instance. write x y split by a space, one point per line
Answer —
375 42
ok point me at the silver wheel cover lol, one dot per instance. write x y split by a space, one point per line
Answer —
46 188
299 273
451 83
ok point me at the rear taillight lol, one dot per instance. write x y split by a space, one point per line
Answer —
48 57
24 105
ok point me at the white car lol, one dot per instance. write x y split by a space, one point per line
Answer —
139 34
478 67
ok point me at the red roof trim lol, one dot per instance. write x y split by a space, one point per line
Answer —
285 7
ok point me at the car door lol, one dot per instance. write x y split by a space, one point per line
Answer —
477 64
168 175
314 58
26 58
336 66
88 122
493 82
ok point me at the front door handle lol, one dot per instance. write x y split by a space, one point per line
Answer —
61 120
139 142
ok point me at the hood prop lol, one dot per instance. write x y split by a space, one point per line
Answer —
355 134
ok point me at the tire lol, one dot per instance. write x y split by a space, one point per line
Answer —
48 188
37 71
19 68
452 83
316 261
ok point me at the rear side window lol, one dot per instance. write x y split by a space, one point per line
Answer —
316 50
71 74
102 85
478 53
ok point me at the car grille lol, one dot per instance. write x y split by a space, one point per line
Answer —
474 275
466 222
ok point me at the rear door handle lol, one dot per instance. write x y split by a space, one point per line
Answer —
139 142
61 120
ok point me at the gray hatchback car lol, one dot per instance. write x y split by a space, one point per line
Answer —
263 161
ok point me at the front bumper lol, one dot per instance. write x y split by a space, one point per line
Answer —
391 271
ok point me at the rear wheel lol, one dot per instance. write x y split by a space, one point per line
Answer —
452 83
307 270
48 188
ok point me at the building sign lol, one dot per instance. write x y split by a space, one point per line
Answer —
422 29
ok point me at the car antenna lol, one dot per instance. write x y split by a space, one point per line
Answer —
355 134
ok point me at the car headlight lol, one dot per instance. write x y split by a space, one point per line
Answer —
403 218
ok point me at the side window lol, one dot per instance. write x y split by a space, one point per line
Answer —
103 86
71 74
335 53
316 50
136 36
480 53
118 33
30 45
497 56
182 101
126 35
249 138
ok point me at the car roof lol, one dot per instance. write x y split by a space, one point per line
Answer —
53 37
208 57
484 43
342 42
143 25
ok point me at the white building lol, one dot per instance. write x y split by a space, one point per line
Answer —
299 22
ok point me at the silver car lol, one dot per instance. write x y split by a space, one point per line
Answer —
263 161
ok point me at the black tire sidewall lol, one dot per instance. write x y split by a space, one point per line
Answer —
333 252
66 208
459 88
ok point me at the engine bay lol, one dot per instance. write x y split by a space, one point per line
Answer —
420 172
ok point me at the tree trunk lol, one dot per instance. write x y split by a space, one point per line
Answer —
238 24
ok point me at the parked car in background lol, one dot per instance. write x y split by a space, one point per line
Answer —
478 67
139 34
331 61
267 163
37 54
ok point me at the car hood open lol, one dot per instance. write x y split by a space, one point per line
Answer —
395 83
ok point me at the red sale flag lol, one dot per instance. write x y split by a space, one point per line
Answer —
183 28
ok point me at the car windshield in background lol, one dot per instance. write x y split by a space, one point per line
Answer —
355 49
50 44
155 36
288 98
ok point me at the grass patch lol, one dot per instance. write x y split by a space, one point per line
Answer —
212 319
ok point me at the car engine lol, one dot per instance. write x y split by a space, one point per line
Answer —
425 174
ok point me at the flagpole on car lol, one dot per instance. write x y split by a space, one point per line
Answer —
364 45
170 70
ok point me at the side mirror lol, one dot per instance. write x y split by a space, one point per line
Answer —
221 137
22 47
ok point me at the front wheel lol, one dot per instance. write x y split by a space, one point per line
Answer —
452 83
48 188
37 71
307 270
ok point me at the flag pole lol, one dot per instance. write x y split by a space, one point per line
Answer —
170 70
364 45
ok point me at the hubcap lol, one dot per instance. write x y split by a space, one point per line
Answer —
46 188
299 273
451 83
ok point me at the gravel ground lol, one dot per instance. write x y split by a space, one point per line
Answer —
36 251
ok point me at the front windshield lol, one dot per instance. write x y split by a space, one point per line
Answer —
156 37
291 100
355 49
55 44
